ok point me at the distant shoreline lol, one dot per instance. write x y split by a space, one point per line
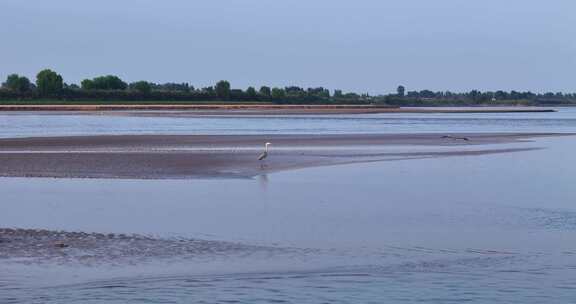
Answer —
259 109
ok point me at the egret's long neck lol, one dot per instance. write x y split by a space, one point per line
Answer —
266 148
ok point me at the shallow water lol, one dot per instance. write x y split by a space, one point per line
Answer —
30 124
481 229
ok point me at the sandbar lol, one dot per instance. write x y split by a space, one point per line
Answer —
230 156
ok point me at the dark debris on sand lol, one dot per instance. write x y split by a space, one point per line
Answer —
37 246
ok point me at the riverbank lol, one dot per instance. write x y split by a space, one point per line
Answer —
264 109
226 156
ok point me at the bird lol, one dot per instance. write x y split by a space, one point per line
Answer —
456 138
264 154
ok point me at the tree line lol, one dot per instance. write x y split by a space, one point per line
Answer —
49 85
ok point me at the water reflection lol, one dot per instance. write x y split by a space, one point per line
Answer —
263 181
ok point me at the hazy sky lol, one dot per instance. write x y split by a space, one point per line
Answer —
354 45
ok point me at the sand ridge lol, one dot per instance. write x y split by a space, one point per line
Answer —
227 156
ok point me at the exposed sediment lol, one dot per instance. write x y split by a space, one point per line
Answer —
195 156
40 246
264 109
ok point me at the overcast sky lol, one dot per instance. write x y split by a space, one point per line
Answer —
361 45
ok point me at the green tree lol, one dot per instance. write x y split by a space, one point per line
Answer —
17 83
208 90
141 86
500 95
278 93
251 92
337 93
265 91
49 82
223 89
171 86
71 86
475 95
401 90
87 84
319 92
108 82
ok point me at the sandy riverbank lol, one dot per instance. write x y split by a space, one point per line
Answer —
229 156
267 109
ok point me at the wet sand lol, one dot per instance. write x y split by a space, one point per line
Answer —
262 109
227 156
35 246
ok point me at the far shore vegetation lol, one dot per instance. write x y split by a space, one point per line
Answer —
50 88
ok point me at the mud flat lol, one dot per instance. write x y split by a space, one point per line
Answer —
264 109
34 246
230 156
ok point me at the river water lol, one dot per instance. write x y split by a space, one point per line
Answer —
30 124
482 229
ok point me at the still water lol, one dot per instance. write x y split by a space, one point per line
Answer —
30 124
480 229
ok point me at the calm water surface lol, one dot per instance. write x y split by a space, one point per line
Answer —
28 124
481 229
